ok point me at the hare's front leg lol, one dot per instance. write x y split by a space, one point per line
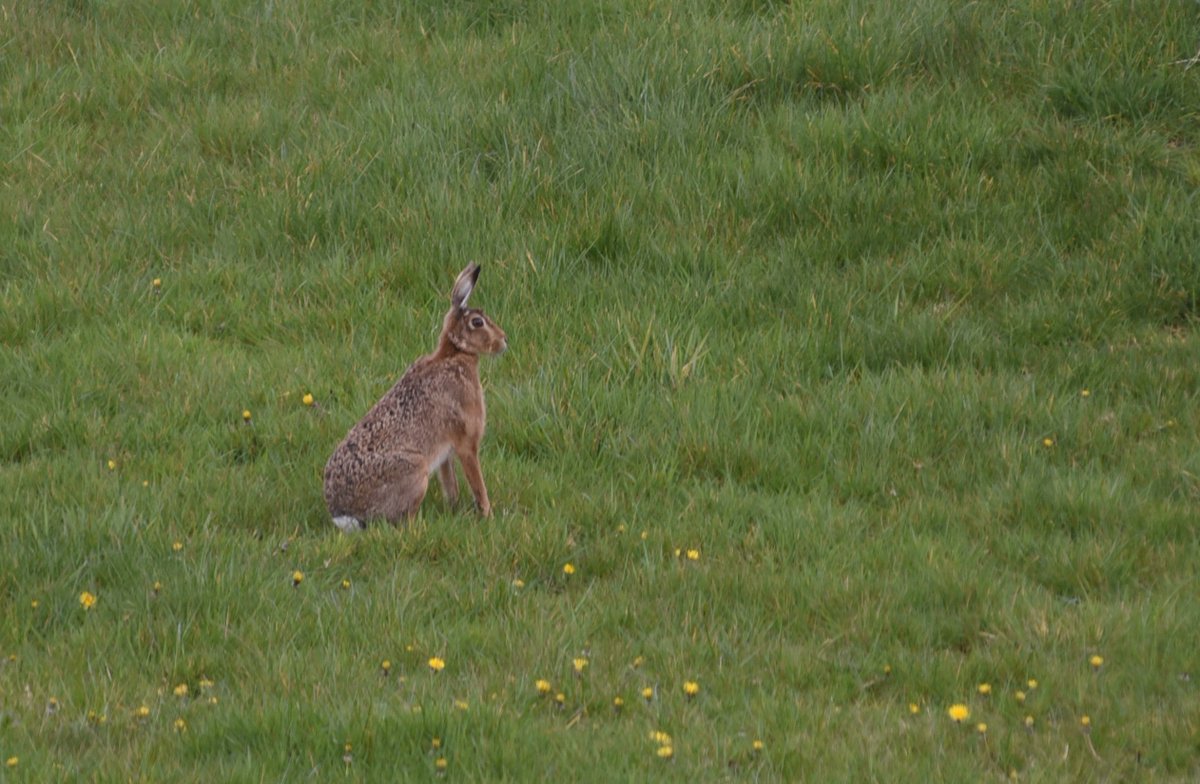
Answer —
469 456
449 481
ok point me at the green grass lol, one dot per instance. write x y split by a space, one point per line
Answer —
816 289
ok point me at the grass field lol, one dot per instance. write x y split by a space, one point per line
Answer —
853 367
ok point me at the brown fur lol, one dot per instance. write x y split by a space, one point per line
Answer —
434 413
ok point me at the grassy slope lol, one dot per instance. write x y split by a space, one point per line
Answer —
813 288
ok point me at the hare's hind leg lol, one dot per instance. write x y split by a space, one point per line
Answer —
401 500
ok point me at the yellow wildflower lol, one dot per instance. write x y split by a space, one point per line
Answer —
691 688
1096 661
142 712
180 725
693 555
87 600
246 415
758 746
665 752
297 577
959 712
307 399
660 737
12 762
181 690
568 569
914 708
436 664
542 686
648 693
580 665
981 728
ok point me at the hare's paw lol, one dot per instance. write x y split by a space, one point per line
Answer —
348 524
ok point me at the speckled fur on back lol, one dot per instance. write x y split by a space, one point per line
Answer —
434 413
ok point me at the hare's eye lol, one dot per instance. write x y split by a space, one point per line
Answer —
476 322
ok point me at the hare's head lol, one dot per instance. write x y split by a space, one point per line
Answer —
469 329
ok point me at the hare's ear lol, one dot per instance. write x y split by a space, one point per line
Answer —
464 285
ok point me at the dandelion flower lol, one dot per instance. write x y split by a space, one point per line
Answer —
345 585
758 746
246 415
1028 722
1085 721
959 712
205 683
461 705
180 725
436 664
1019 696
518 583
12 762
156 588
693 555
981 728
665 752
914 708
297 577
307 399
1096 661
177 546
87 600
112 465
441 764
645 535
887 669
568 569
386 667
35 604
1032 684
1047 442
638 661
985 689
560 699
181 690
542 686
580 665
1085 393
648 693
435 743
618 703
660 737
691 689
143 712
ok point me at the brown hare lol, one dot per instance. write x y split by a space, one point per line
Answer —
434 413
